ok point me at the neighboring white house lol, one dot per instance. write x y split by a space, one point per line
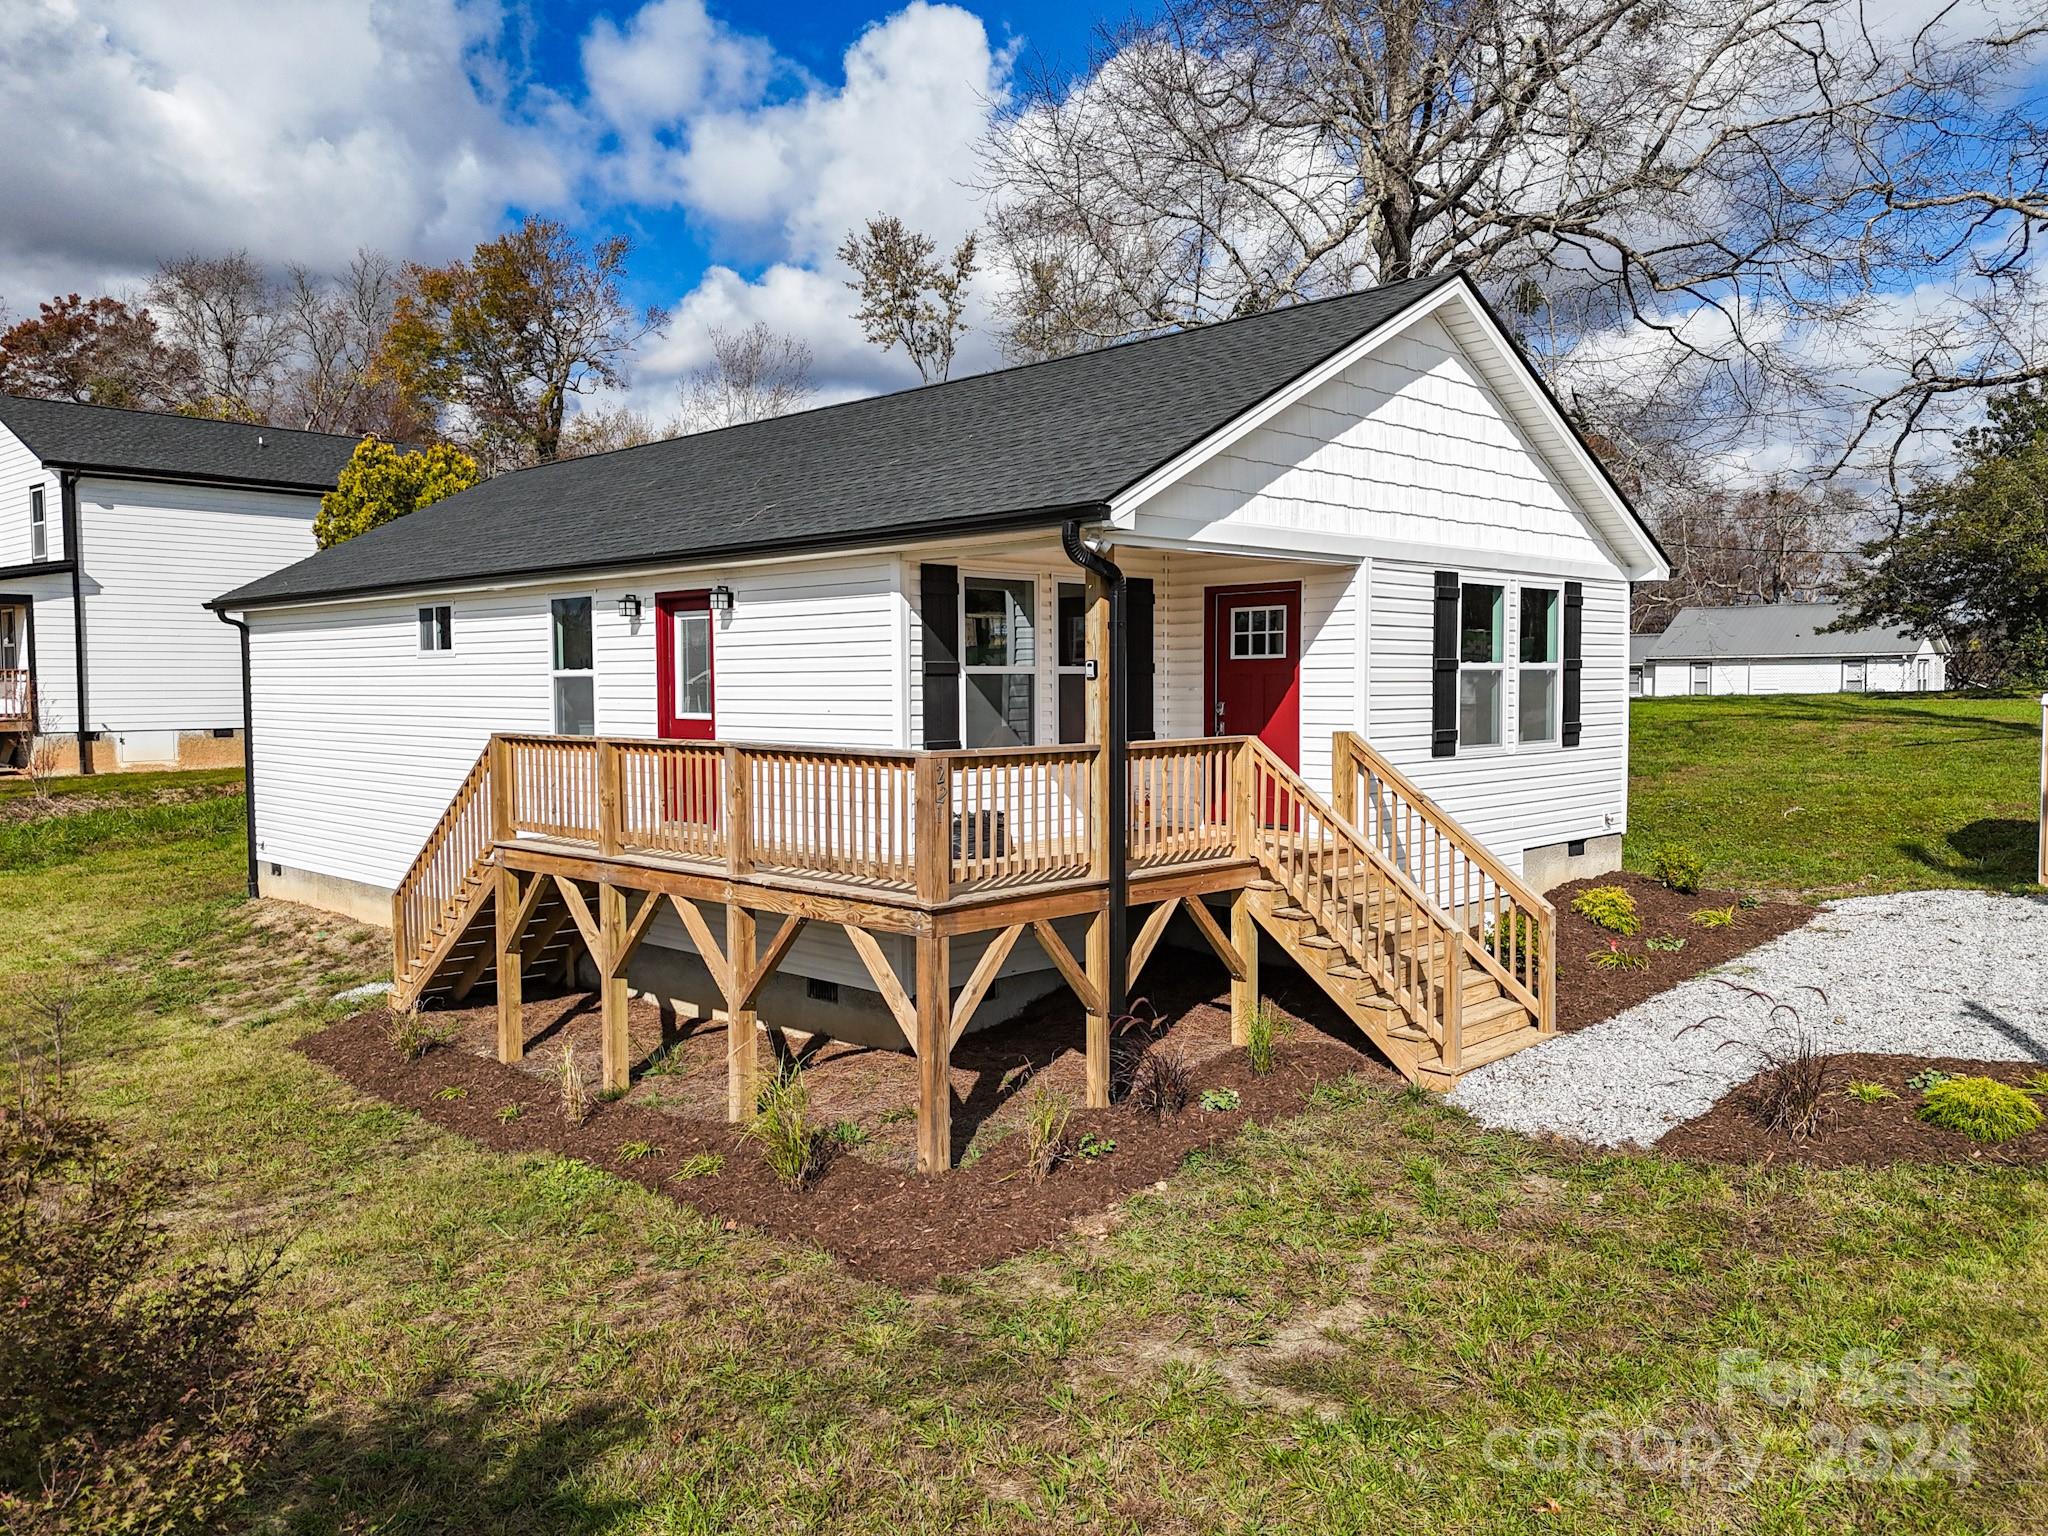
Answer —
1363 514
1780 648
116 527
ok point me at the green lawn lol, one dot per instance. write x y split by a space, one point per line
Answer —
1323 1327
1839 794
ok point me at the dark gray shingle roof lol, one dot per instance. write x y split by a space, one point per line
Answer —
1774 629
99 437
1019 445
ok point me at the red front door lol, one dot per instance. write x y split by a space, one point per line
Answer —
1253 665
682 668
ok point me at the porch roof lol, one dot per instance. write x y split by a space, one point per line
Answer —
1022 446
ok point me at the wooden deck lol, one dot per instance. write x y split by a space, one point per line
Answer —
558 848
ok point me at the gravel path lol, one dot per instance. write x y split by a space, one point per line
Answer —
1923 973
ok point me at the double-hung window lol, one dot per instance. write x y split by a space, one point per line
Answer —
999 661
1702 677
1537 661
437 628
1072 642
575 675
38 524
1482 661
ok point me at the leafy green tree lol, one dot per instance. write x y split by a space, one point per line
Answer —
1968 559
495 345
380 483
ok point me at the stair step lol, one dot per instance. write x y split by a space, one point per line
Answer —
1294 914
1504 1044
1316 941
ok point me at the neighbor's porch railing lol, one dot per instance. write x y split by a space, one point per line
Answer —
16 693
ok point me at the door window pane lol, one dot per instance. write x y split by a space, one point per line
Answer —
1258 634
693 663
1479 708
1073 636
572 634
576 706
999 709
1000 628
1480 630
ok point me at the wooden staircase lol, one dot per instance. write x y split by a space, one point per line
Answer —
1445 965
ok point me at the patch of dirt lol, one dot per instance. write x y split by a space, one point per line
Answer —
29 807
1853 1134
1586 994
868 1206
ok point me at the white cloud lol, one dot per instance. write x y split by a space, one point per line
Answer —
153 127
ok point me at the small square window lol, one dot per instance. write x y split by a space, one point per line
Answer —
437 628
1258 634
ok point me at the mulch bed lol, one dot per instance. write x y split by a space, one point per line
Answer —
1853 1134
1586 994
868 1206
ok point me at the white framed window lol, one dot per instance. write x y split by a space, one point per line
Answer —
1070 658
1539 655
1702 677
38 524
998 661
437 628
574 678
692 663
1482 662
1258 633
1855 676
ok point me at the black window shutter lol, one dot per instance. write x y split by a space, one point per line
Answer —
1138 631
1443 689
1574 605
939 597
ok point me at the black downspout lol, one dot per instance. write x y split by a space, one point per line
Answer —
248 752
67 504
1117 999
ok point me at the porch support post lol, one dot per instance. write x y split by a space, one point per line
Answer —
934 1054
1109 787
507 906
613 1050
1244 990
742 1049
1096 599
1101 955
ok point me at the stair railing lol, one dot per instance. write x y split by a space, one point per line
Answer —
442 878
1510 930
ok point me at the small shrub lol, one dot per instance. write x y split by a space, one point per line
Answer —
1092 1146
636 1151
1514 940
1930 1078
1715 917
2038 1083
1046 1114
1219 1100
1615 958
1260 1033
1789 1092
1610 907
847 1133
1665 943
1869 1093
1749 901
507 1113
575 1098
451 1093
1678 867
1982 1108
699 1165
782 1125
1163 1081
413 1035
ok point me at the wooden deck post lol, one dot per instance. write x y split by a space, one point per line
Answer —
1096 598
934 1045
1098 1015
931 794
608 797
1343 778
1244 990
510 957
614 1052
742 1048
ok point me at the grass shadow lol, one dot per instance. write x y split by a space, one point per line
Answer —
1992 850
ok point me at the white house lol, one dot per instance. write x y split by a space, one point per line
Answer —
1780 648
1360 515
116 527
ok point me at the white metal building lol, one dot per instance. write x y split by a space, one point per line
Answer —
1779 648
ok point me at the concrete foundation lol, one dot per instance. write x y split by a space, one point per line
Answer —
130 751
351 898
1555 863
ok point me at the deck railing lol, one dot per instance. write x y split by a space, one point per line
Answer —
445 871
1510 929
16 693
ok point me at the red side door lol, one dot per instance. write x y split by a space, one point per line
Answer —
683 669
1253 666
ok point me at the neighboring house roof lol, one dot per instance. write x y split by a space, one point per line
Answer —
106 440
1771 630
1642 648
1017 447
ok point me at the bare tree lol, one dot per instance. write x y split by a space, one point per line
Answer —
1730 546
753 374
336 327
602 429
228 316
909 299
1684 207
